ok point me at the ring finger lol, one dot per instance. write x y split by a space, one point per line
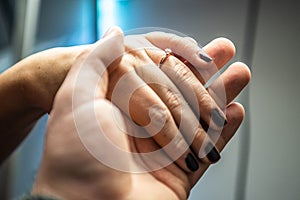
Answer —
178 100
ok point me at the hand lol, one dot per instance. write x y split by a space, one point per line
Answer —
74 166
28 90
44 72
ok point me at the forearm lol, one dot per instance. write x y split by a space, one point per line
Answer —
15 128
17 116
27 91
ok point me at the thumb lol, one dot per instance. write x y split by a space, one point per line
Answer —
90 79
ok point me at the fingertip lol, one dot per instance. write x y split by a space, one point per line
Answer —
246 71
118 31
110 47
114 30
225 44
191 162
114 35
235 112
221 50
213 154
241 71
229 44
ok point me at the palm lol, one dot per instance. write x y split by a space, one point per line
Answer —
65 150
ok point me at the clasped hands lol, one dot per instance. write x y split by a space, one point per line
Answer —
129 122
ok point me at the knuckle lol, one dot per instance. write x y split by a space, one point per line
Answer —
182 73
179 142
159 115
204 99
172 100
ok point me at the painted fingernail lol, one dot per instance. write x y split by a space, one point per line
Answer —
218 118
204 125
205 57
191 162
211 153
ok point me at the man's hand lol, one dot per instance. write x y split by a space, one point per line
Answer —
27 91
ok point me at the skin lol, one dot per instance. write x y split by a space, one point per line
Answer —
70 171
33 83
39 77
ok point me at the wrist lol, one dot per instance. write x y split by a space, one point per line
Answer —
43 74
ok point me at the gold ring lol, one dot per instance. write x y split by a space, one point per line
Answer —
168 52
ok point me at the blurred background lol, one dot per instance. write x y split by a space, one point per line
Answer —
262 161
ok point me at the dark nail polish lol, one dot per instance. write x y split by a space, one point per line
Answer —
211 153
191 162
205 57
217 118
204 125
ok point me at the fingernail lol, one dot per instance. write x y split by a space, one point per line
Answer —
205 57
204 125
211 153
191 162
218 118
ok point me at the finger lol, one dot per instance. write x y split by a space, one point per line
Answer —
163 174
182 46
220 50
170 99
192 90
234 79
87 79
192 40
141 104
183 115
235 115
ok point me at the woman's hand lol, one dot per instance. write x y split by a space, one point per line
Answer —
81 117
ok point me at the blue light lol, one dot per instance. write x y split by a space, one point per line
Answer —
106 14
